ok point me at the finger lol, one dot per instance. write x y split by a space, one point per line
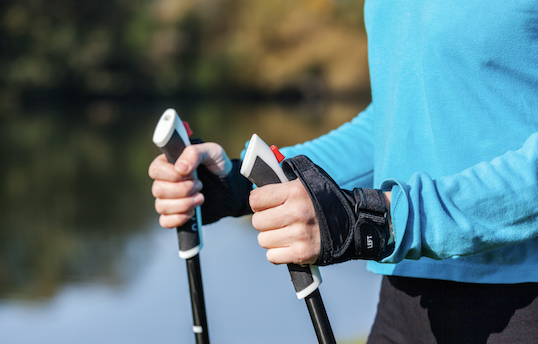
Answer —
302 214
268 196
304 238
280 205
208 154
178 206
291 255
175 220
161 169
276 238
271 218
164 189
278 255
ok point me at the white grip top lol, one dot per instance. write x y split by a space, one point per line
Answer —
258 148
165 128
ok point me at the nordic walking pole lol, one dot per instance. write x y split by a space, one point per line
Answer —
172 136
261 167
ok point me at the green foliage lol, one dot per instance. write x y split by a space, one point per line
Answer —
124 48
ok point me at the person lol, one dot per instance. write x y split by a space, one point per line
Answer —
447 153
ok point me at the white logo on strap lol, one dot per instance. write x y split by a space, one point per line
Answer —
369 242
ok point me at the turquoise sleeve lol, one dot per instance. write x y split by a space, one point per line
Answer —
485 207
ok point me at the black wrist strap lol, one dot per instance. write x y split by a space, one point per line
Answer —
372 226
224 196
353 224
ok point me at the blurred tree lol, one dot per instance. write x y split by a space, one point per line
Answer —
59 219
119 48
64 47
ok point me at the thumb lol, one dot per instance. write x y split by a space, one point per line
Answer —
209 154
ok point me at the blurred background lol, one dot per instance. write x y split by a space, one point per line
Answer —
82 85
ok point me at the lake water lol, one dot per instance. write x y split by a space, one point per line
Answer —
83 260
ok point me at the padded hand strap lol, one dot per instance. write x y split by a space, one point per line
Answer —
224 196
353 224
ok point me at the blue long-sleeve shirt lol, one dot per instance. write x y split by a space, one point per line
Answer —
453 131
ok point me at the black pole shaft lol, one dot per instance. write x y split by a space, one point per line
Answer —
321 323
197 300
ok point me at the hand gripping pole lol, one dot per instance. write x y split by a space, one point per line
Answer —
261 167
172 137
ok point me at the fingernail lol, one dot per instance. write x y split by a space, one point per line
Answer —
182 167
198 199
198 185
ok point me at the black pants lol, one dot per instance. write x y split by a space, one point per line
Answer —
415 311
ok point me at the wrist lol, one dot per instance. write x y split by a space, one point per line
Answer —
388 197
224 196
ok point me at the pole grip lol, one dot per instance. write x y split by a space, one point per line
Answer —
172 138
188 235
261 167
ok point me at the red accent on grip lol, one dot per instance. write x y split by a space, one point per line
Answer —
276 152
187 128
